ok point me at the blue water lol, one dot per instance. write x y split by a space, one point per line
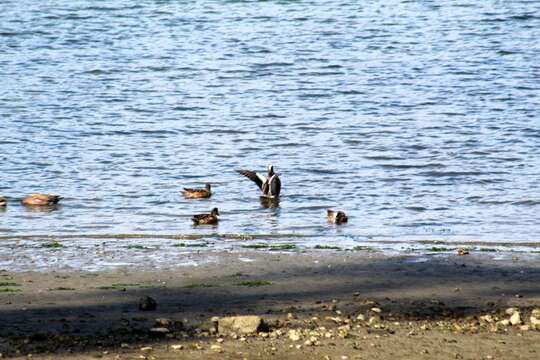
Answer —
420 119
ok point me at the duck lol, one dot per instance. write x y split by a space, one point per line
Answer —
41 200
270 185
3 201
204 219
198 193
337 217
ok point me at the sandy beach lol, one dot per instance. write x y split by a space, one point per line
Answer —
315 305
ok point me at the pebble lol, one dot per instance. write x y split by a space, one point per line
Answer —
510 311
524 328
361 317
515 319
146 349
146 303
294 335
376 309
163 322
216 348
177 347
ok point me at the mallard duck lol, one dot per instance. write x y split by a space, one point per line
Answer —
198 193
211 218
336 217
3 201
270 185
40 200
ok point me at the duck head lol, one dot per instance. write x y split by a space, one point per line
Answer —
208 187
215 212
270 170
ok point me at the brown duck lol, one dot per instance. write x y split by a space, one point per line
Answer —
336 217
3 201
198 193
40 200
203 219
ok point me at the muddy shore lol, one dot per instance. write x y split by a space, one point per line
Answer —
316 305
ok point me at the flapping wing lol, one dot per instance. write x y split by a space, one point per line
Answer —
255 177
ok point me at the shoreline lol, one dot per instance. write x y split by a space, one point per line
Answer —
79 315
70 253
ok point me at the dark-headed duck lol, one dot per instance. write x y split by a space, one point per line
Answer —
270 185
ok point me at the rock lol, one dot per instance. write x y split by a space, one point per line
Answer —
376 310
177 347
505 322
487 318
243 324
216 348
515 319
163 322
510 311
524 328
159 331
361 317
294 335
146 303
535 322
146 349
536 313
374 319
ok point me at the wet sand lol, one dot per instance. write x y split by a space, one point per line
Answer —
431 307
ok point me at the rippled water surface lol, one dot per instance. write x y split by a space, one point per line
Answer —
420 119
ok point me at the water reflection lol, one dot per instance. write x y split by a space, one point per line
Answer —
268 203
42 208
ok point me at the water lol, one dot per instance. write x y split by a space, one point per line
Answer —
420 119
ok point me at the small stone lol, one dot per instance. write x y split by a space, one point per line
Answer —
177 347
124 345
376 310
146 349
510 311
524 328
163 322
515 319
294 335
373 320
535 322
486 318
361 317
159 331
216 348
243 324
298 346
536 313
291 316
505 322
146 303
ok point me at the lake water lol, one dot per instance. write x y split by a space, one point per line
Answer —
420 119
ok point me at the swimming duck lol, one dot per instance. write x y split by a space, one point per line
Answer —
336 217
198 193
270 185
203 219
40 200
3 201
